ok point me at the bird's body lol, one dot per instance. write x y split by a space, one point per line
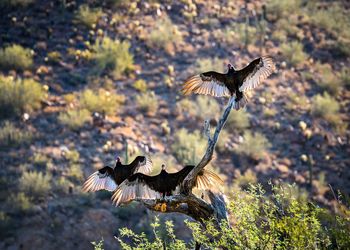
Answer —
232 83
110 178
141 186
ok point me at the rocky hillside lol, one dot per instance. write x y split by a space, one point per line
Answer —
84 81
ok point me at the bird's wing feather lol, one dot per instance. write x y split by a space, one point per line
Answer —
145 166
207 179
208 83
138 186
98 181
257 71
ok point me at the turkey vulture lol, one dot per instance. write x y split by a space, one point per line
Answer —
141 186
108 178
233 82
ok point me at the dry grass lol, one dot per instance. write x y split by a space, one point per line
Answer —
294 53
254 145
12 136
147 102
35 184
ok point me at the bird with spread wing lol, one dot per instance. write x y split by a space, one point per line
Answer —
234 82
108 178
141 186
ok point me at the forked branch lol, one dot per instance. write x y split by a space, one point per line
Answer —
189 181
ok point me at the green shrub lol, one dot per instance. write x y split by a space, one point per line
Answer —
147 102
253 145
20 202
101 101
237 121
187 107
12 136
140 85
207 107
245 180
18 96
164 35
35 184
188 147
74 119
112 56
208 64
16 57
335 20
87 16
326 78
241 33
345 76
277 9
326 107
294 53
277 221
41 160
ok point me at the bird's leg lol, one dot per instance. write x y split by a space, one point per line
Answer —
239 96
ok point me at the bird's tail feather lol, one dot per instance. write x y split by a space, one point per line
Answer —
207 180
241 103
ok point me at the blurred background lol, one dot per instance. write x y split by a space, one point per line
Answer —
83 81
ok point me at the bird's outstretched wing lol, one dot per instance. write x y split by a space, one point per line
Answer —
138 186
100 180
144 165
207 179
256 71
208 83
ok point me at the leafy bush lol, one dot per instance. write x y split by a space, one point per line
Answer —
241 33
140 85
208 64
253 145
74 119
188 147
112 55
277 9
326 107
20 202
294 53
101 101
88 16
35 183
186 107
21 95
238 121
334 20
207 107
147 102
12 136
164 35
277 221
345 76
15 57
326 78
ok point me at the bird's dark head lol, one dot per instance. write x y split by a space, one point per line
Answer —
230 67
163 167
117 158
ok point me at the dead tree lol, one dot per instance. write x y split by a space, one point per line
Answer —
186 202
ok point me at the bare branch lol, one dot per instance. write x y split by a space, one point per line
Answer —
190 205
186 202
189 181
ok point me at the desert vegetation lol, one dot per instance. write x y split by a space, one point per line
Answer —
82 82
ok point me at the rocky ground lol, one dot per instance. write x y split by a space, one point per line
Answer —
280 109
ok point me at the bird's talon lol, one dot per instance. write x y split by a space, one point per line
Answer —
163 207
